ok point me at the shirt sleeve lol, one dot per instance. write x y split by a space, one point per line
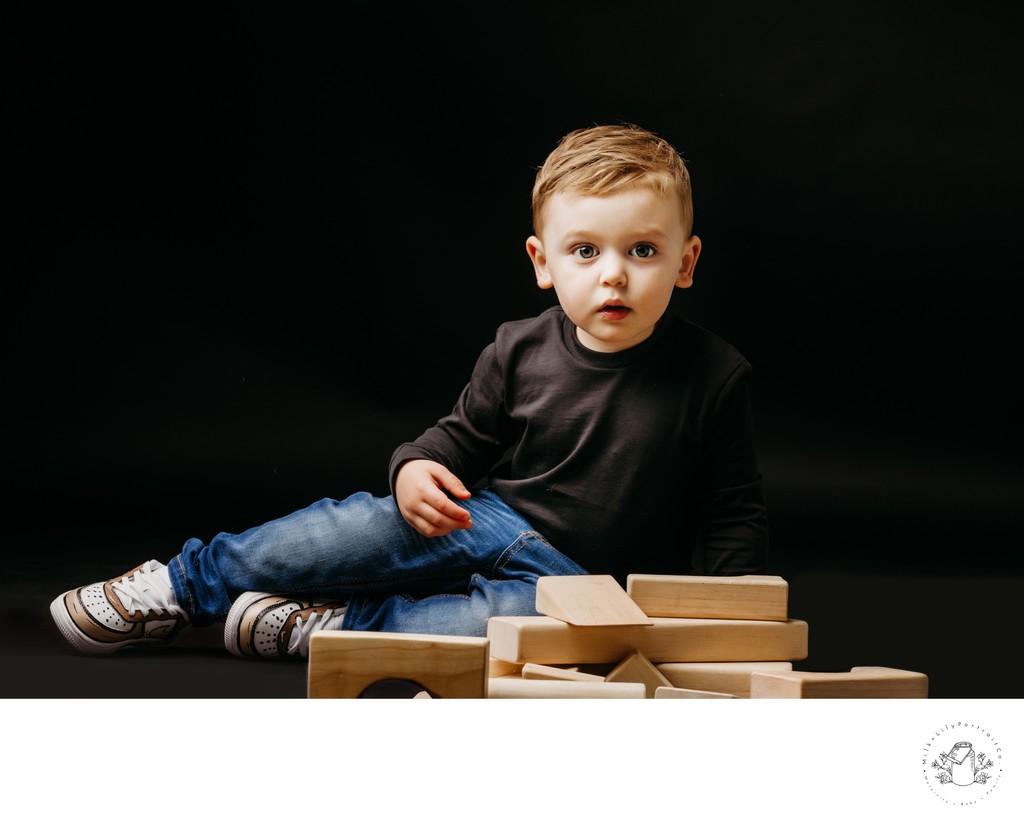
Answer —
474 436
732 514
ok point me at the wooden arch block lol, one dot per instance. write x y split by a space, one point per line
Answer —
345 663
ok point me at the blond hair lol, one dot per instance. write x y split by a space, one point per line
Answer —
603 160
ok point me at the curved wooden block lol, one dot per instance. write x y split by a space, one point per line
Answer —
344 663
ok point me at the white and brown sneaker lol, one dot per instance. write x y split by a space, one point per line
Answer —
134 609
265 625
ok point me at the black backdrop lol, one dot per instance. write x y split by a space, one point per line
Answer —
252 250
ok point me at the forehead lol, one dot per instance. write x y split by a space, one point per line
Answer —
633 210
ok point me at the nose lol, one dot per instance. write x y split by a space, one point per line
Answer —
613 272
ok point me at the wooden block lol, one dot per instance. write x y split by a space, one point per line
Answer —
746 597
497 669
637 669
543 640
860 682
544 672
677 692
732 677
587 601
344 663
544 688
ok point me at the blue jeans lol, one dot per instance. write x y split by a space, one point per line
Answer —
362 550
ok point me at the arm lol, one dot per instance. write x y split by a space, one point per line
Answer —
427 473
732 511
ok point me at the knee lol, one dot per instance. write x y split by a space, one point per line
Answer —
504 597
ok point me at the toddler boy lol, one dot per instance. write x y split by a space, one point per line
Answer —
607 435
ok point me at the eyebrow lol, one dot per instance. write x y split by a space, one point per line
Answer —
646 232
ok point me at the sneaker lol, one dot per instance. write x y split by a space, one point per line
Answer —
134 609
264 625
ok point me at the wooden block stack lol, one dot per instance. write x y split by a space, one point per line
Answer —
663 636
676 637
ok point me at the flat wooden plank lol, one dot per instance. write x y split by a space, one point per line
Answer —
732 677
678 692
544 672
543 688
637 668
344 663
587 601
543 640
860 682
746 597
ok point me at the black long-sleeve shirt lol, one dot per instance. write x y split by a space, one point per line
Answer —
635 461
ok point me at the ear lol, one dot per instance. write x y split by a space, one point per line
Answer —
535 249
691 251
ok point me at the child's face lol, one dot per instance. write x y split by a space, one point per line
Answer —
613 262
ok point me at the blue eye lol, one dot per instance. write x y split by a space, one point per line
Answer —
585 252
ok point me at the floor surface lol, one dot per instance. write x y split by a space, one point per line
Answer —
952 628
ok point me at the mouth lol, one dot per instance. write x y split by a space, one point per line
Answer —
613 311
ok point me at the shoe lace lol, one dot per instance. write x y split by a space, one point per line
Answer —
328 618
144 591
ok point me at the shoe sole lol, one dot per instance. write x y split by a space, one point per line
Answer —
82 642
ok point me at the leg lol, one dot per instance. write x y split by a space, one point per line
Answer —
509 588
337 548
358 550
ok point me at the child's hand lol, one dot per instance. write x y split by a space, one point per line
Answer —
420 493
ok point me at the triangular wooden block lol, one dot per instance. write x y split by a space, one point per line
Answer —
636 668
587 601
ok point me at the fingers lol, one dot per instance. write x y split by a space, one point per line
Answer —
421 487
429 520
455 486
435 514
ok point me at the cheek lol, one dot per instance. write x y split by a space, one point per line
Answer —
657 296
570 292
